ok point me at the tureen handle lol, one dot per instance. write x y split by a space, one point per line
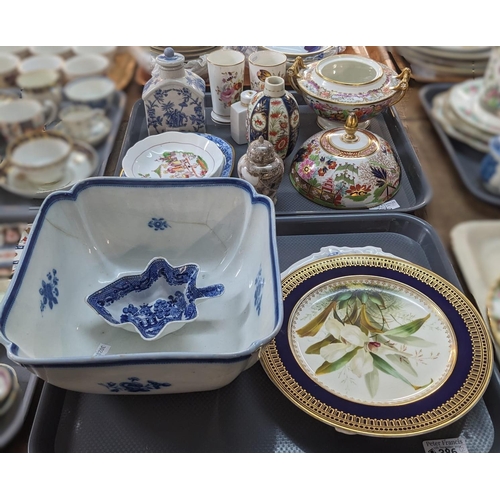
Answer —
293 72
404 78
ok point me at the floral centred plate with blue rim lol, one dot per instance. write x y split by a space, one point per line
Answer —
378 346
227 151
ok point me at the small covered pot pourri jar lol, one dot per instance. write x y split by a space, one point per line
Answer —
262 167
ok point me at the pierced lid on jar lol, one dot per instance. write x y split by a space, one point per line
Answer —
170 59
349 142
349 70
261 152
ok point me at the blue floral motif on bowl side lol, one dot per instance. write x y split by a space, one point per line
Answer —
49 291
133 384
259 287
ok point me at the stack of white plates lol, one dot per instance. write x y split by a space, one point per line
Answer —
460 114
446 62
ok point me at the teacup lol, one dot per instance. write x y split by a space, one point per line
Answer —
79 120
9 64
85 65
40 155
41 85
95 91
18 51
35 63
57 50
18 116
264 63
108 51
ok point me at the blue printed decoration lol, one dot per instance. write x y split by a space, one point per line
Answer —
227 151
158 224
259 287
134 299
133 384
174 109
49 291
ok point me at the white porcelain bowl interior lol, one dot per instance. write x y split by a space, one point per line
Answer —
173 155
104 228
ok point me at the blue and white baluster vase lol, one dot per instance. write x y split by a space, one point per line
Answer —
174 97
274 115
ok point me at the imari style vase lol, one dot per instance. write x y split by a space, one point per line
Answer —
274 115
174 97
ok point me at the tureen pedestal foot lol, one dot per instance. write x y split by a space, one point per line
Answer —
325 124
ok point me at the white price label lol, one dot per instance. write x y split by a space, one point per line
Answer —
453 445
388 205
102 350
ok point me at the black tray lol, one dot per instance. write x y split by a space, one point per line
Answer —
251 414
13 420
413 195
14 208
466 159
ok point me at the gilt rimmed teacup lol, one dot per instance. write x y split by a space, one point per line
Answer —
93 91
42 156
47 61
41 85
79 120
18 116
83 65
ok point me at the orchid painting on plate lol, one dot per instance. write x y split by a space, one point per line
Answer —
372 340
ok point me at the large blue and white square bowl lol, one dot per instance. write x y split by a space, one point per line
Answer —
108 227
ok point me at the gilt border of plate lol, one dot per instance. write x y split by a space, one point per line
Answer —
460 392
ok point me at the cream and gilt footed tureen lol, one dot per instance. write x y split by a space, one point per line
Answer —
338 85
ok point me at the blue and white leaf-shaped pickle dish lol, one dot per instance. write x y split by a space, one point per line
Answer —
105 228
159 301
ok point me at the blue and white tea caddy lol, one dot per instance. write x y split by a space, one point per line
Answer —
174 96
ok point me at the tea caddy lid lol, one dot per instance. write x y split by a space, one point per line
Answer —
246 97
170 59
261 152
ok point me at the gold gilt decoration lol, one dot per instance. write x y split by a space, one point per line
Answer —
371 148
476 376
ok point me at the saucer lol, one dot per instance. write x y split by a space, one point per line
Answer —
227 151
101 127
221 120
464 100
82 163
